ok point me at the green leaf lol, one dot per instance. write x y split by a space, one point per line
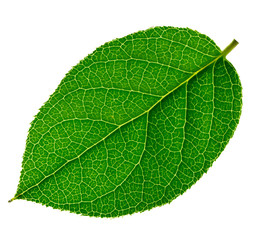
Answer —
133 125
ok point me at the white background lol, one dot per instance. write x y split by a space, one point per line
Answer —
41 40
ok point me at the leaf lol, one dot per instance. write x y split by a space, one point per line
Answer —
133 125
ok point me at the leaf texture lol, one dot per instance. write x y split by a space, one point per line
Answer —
133 125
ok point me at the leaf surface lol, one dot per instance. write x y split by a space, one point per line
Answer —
133 125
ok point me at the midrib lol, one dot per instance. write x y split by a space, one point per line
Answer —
224 53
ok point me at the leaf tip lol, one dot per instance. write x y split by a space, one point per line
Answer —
11 200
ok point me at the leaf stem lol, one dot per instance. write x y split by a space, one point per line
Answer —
229 48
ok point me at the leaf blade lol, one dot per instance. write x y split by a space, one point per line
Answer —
114 122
